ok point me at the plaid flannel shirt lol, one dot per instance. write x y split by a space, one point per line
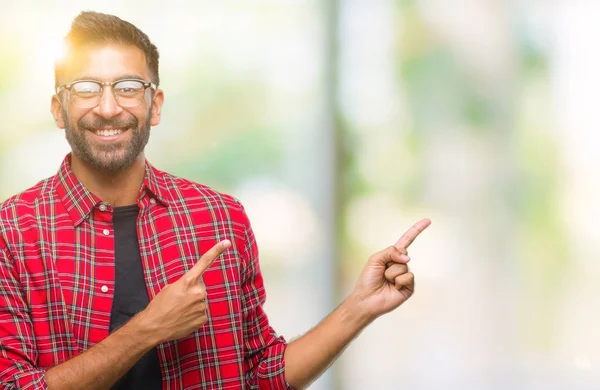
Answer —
57 282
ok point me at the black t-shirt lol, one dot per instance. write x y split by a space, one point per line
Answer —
131 297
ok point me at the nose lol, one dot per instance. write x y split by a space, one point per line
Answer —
108 106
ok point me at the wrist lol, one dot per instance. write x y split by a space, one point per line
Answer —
356 311
143 328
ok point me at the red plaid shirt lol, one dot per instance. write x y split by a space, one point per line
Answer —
57 282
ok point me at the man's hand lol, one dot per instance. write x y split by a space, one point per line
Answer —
180 308
386 282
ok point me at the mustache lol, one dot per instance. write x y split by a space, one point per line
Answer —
97 123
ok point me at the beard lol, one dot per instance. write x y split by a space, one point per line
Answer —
110 157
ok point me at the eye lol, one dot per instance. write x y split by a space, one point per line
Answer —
85 88
129 87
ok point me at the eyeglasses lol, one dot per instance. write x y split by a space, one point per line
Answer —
128 93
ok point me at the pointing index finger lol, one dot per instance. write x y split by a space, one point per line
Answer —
208 258
412 233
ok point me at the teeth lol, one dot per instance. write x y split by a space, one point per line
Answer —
108 133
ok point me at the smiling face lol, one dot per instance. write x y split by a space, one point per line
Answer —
108 137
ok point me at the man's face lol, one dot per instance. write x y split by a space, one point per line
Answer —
108 137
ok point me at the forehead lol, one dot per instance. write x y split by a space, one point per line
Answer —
107 62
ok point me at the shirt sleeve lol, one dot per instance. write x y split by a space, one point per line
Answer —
18 352
264 365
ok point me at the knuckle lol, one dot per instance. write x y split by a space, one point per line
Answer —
205 258
395 250
213 252
405 278
187 279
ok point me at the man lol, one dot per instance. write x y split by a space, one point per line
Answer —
115 274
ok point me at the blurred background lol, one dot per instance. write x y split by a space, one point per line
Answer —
339 124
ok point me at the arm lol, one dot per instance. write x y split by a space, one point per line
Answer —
307 357
175 312
264 366
17 342
102 365
384 284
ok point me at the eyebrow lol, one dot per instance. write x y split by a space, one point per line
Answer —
122 77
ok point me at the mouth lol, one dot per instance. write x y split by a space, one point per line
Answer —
108 134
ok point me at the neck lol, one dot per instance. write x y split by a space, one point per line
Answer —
117 189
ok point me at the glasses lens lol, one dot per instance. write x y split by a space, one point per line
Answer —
86 94
129 93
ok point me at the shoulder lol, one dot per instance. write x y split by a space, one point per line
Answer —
22 210
27 203
183 192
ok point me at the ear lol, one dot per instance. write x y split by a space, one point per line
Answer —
157 103
57 111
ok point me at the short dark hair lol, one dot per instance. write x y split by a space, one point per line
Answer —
90 28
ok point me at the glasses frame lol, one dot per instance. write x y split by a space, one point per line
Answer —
102 84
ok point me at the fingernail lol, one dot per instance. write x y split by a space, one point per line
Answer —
404 257
226 243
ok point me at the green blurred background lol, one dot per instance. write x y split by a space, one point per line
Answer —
340 123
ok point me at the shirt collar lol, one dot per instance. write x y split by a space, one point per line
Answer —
155 183
80 202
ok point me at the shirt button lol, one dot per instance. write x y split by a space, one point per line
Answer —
102 207
104 288
152 201
106 232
